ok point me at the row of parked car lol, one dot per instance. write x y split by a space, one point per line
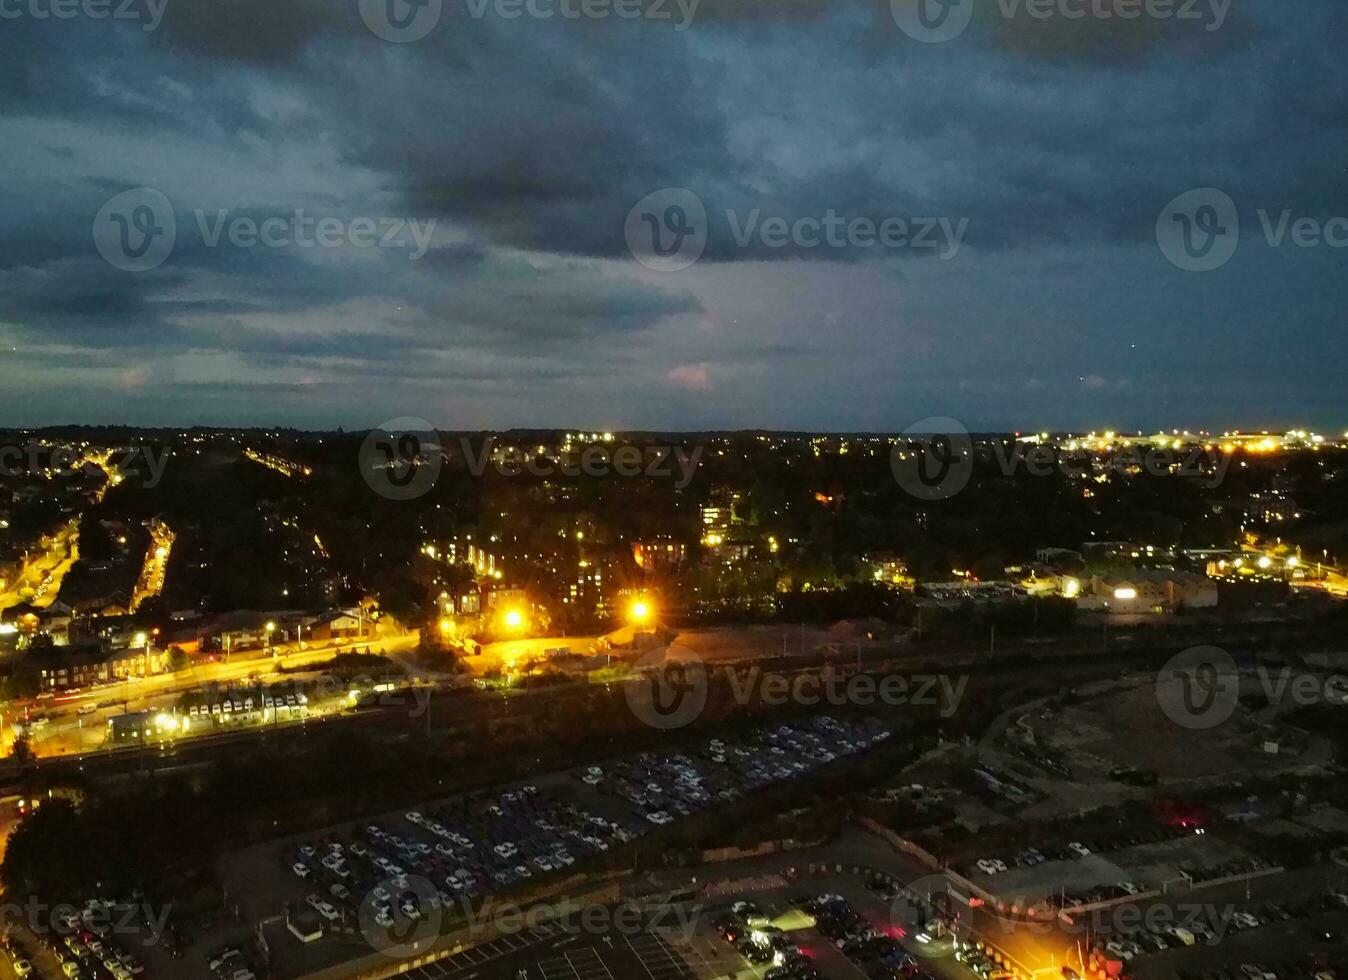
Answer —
744 927
231 963
1075 850
1310 969
81 945
409 866
873 951
660 787
1201 932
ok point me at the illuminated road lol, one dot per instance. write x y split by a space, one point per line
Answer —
67 731
40 580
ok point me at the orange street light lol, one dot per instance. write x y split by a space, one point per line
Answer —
641 611
514 619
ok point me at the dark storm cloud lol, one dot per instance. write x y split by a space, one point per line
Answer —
529 141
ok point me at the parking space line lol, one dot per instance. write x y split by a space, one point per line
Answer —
657 958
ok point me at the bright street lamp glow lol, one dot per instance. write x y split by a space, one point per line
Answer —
514 619
641 611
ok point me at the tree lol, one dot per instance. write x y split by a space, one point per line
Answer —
177 660
24 681
22 752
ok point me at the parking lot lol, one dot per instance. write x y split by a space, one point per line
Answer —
554 956
1066 873
422 871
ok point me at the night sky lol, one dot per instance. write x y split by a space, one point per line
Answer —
1056 143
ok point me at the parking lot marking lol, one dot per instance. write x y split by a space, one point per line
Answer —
657 959
720 960
581 964
476 956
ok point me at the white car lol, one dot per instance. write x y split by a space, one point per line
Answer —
1256 972
987 867
326 910
1079 849
22 968
1182 934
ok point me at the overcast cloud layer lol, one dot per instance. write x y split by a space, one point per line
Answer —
520 144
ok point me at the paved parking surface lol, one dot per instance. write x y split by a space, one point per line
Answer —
551 955
483 954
